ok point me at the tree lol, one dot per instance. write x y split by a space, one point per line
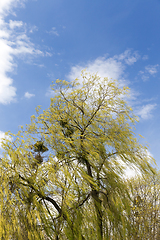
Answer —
77 189
145 208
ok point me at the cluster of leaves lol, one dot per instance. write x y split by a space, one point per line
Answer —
77 190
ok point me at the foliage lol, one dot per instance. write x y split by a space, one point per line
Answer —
145 208
63 176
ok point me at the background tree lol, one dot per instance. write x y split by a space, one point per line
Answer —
145 210
77 190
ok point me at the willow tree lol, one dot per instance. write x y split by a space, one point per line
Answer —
63 175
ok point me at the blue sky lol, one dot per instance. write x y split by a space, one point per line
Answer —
41 41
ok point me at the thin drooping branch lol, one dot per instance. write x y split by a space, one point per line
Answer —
42 195
90 120
97 202
49 199
84 200
81 204
106 158
53 219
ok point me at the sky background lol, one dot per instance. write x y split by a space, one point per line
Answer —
43 40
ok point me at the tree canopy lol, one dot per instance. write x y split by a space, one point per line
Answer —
62 176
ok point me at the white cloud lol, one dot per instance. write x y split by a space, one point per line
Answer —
112 67
48 54
14 42
144 77
23 46
33 29
145 57
53 31
5 6
39 65
15 24
29 95
145 111
129 57
152 69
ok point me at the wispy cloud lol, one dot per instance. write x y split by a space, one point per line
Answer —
150 70
129 57
145 111
14 42
33 29
48 54
29 95
49 93
53 31
145 57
